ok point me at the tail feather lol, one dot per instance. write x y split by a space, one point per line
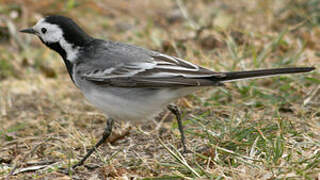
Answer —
239 75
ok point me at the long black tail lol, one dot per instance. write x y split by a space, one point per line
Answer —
238 75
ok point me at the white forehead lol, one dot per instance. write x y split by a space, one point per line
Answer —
53 33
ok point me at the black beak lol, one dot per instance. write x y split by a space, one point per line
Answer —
29 31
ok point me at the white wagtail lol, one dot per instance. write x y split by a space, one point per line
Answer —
127 82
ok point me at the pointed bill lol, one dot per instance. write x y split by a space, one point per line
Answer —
28 30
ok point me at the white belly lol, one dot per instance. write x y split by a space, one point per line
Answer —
133 104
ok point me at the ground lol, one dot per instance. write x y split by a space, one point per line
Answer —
257 129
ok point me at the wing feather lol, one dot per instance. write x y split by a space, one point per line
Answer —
162 71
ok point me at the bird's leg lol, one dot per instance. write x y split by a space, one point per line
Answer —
176 111
106 133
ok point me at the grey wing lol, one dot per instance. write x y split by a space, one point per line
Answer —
137 67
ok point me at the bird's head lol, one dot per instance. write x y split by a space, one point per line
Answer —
61 34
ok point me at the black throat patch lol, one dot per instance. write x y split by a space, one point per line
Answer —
57 47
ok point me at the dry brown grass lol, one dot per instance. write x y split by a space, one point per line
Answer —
248 130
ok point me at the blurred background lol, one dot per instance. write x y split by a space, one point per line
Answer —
265 129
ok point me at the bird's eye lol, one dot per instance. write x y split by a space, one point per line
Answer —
43 30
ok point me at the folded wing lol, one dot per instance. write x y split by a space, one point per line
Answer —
160 71
167 71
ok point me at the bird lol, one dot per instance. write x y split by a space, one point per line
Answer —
128 82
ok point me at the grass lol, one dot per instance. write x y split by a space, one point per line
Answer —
259 129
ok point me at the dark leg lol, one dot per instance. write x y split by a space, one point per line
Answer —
176 111
106 134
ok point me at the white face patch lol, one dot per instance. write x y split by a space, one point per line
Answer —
52 33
